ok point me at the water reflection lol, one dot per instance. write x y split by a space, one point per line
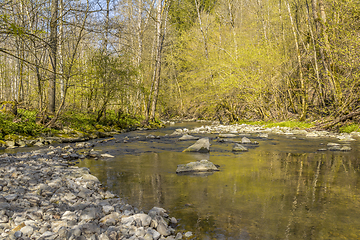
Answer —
282 191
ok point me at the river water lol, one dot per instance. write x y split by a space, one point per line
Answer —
281 189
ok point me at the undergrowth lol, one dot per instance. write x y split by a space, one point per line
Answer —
348 128
290 124
24 123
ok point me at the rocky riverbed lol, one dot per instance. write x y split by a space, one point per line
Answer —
43 197
226 131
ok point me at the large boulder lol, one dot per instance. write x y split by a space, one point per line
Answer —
199 166
202 145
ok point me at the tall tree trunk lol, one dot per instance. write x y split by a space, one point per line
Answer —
53 54
320 90
139 56
301 77
159 45
61 53
324 46
202 30
332 79
232 22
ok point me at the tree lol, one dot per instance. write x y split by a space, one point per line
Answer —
53 42
161 24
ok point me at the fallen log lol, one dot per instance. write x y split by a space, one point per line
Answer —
336 121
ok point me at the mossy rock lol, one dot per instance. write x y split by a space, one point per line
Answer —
82 134
8 107
68 130
2 144
63 135
102 134
99 127
12 137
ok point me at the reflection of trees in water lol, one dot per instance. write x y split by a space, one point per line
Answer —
324 183
262 195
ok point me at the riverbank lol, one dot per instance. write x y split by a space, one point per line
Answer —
42 197
26 130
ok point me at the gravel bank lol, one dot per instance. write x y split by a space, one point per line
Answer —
42 197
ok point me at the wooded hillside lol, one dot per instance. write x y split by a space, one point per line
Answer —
225 59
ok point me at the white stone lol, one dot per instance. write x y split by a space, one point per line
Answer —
108 209
69 216
90 177
188 234
27 230
143 219
312 134
56 225
245 140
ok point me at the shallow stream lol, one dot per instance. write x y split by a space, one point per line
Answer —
281 189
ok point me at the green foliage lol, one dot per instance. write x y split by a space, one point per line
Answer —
23 124
108 81
86 122
353 127
119 120
183 13
290 124
79 121
269 124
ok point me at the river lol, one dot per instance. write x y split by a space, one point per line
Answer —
281 189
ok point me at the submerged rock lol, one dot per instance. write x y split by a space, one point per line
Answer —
200 166
333 146
227 135
188 234
202 145
188 137
345 149
239 148
322 150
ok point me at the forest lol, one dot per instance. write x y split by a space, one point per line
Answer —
227 60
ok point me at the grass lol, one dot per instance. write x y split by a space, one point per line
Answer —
290 124
353 127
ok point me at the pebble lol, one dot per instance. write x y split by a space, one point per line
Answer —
188 234
43 197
